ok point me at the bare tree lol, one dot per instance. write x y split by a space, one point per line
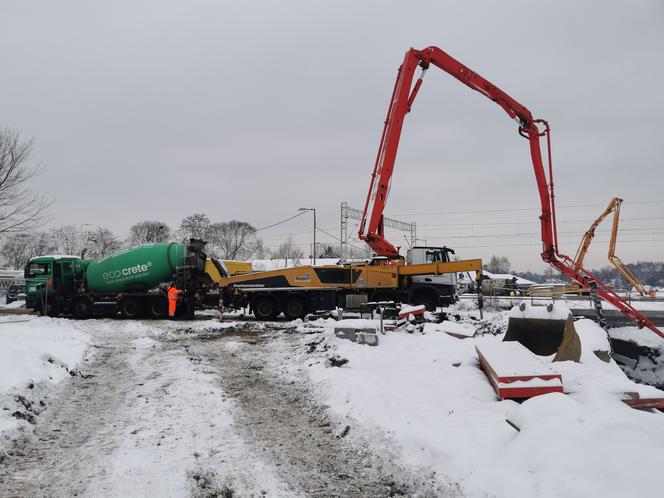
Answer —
196 226
232 240
15 250
19 248
149 232
289 250
68 239
20 207
352 252
261 252
498 264
101 243
329 251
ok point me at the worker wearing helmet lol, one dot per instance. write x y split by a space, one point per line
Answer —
173 296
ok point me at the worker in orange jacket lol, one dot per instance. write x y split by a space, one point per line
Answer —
173 297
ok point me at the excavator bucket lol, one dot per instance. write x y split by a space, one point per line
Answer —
545 331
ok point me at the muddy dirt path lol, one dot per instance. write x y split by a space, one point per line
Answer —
280 417
173 411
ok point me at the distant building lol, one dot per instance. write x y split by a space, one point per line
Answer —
504 284
9 277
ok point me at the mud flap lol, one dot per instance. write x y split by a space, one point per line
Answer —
546 337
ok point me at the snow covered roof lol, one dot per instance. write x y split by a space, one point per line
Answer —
278 263
507 276
56 256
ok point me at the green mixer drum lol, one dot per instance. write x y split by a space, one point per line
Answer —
143 267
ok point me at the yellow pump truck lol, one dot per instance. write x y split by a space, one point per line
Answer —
299 290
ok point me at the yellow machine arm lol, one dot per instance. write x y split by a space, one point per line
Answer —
614 206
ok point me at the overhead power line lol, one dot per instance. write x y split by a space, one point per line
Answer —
540 244
338 239
430 235
519 209
280 222
502 223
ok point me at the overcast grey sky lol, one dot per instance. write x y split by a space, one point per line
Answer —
250 110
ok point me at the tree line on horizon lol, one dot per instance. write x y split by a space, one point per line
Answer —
231 240
225 240
24 213
648 272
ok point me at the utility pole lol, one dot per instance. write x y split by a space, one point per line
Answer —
314 211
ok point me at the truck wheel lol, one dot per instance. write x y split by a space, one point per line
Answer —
82 308
53 309
157 308
265 308
48 309
295 307
131 308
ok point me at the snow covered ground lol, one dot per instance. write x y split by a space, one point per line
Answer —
137 418
36 354
427 393
146 408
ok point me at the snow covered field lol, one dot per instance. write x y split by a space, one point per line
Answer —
427 394
149 408
36 354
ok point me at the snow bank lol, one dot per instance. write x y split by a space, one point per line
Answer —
568 448
13 305
35 355
594 380
643 337
356 323
428 396
458 329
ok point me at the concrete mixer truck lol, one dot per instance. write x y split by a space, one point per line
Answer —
130 282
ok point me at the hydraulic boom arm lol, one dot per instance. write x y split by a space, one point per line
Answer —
530 128
613 207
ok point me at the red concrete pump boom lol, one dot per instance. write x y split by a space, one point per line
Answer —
531 129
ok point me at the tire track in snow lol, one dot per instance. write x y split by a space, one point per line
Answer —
181 436
280 416
58 457
162 409
142 420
